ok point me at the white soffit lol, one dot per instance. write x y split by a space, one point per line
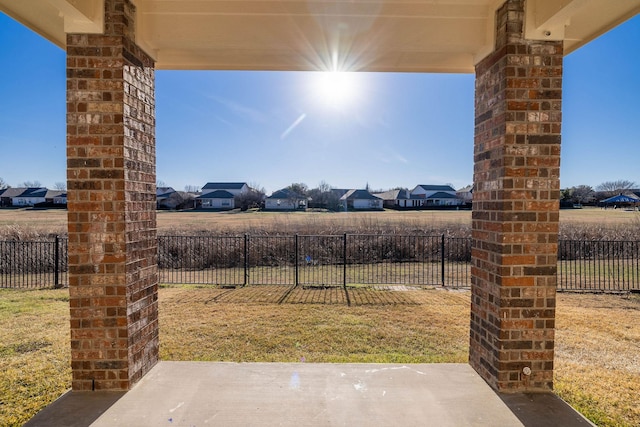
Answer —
448 36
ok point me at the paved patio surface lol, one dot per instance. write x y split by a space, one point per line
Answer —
301 394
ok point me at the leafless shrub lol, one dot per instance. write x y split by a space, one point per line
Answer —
628 231
19 233
370 240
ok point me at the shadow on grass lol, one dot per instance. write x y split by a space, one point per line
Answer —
282 294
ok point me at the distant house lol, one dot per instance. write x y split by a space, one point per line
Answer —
285 200
361 200
58 197
164 199
394 199
29 196
235 188
218 199
465 194
168 198
434 195
338 192
32 196
7 195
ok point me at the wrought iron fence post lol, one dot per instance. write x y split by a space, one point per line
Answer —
344 262
56 264
296 259
13 268
246 260
442 258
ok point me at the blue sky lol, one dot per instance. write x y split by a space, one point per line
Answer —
276 128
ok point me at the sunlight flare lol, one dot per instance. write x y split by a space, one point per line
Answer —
337 89
293 126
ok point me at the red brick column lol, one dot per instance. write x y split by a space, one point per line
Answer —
111 194
515 208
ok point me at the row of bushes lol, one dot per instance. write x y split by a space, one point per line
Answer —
370 240
198 252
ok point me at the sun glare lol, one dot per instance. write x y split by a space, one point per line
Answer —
336 89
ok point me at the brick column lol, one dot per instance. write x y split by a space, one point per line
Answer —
515 208
111 198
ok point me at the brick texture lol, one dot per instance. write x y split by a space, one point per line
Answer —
515 208
111 200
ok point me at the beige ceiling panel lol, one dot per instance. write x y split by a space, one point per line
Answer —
81 16
378 35
595 19
40 16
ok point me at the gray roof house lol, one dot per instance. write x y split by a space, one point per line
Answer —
57 197
162 192
163 195
399 198
234 188
7 195
218 199
361 200
466 193
434 195
285 199
22 196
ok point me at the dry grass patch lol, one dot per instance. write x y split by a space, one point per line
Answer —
598 338
576 224
34 352
598 356
215 326
56 220
308 222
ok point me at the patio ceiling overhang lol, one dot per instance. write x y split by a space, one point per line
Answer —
447 36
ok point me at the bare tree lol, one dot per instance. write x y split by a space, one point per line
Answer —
257 187
3 184
60 186
190 188
299 188
324 197
319 195
324 187
612 188
579 195
160 183
179 200
31 184
250 199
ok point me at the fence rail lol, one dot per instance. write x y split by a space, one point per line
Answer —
327 261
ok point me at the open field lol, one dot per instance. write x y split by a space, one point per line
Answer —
54 221
235 221
597 338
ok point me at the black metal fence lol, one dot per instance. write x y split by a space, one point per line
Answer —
327 261
599 265
317 260
33 264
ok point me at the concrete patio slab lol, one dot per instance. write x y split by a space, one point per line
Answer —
301 394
